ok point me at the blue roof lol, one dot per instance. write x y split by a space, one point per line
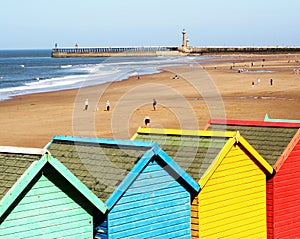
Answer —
109 166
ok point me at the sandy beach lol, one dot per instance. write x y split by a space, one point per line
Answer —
213 89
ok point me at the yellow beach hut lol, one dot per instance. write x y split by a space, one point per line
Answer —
232 177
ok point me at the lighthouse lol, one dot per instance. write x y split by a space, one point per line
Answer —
184 39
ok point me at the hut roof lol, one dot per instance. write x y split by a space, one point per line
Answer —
19 167
196 151
108 166
14 161
270 139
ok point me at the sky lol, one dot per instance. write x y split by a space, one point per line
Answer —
39 24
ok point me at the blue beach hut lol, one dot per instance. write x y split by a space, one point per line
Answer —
147 194
41 198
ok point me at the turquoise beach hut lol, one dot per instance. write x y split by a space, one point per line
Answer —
267 119
147 194
41 198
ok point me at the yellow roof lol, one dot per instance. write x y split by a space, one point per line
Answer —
220 142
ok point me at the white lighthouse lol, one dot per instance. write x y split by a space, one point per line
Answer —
184 39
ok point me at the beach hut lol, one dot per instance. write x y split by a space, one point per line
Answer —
232 177
279 144
280 120
40 198
147 194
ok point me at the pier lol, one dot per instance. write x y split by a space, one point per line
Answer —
183 50
114 51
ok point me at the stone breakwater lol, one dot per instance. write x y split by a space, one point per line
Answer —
237 49
165 51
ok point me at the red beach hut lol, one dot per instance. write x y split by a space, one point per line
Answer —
279 144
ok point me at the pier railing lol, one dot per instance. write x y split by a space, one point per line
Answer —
108 51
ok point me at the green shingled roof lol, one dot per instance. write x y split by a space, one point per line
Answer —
12 167
101 167
270 142
193 153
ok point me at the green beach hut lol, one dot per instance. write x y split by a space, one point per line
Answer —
41 198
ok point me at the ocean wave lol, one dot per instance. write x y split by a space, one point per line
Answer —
45 85
96 76
65 66
43 74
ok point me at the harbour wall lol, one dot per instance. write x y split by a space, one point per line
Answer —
165 51
237 50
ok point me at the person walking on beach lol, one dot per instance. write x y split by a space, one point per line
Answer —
271 81
107 106
154 104
258 80
147 121
86 104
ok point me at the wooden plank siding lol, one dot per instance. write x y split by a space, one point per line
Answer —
154 206
195 218
286 183
46 211
232 204
278 143
270 208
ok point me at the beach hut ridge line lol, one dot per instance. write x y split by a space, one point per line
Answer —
260 160
233 138
34 169
151 151
282 187
287 151
154 149
141 164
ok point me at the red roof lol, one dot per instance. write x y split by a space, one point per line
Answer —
252 123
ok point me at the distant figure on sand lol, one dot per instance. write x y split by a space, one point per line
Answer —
86 104
107 105
154 104
271 81
147 121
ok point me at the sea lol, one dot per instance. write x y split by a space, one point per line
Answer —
35 71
